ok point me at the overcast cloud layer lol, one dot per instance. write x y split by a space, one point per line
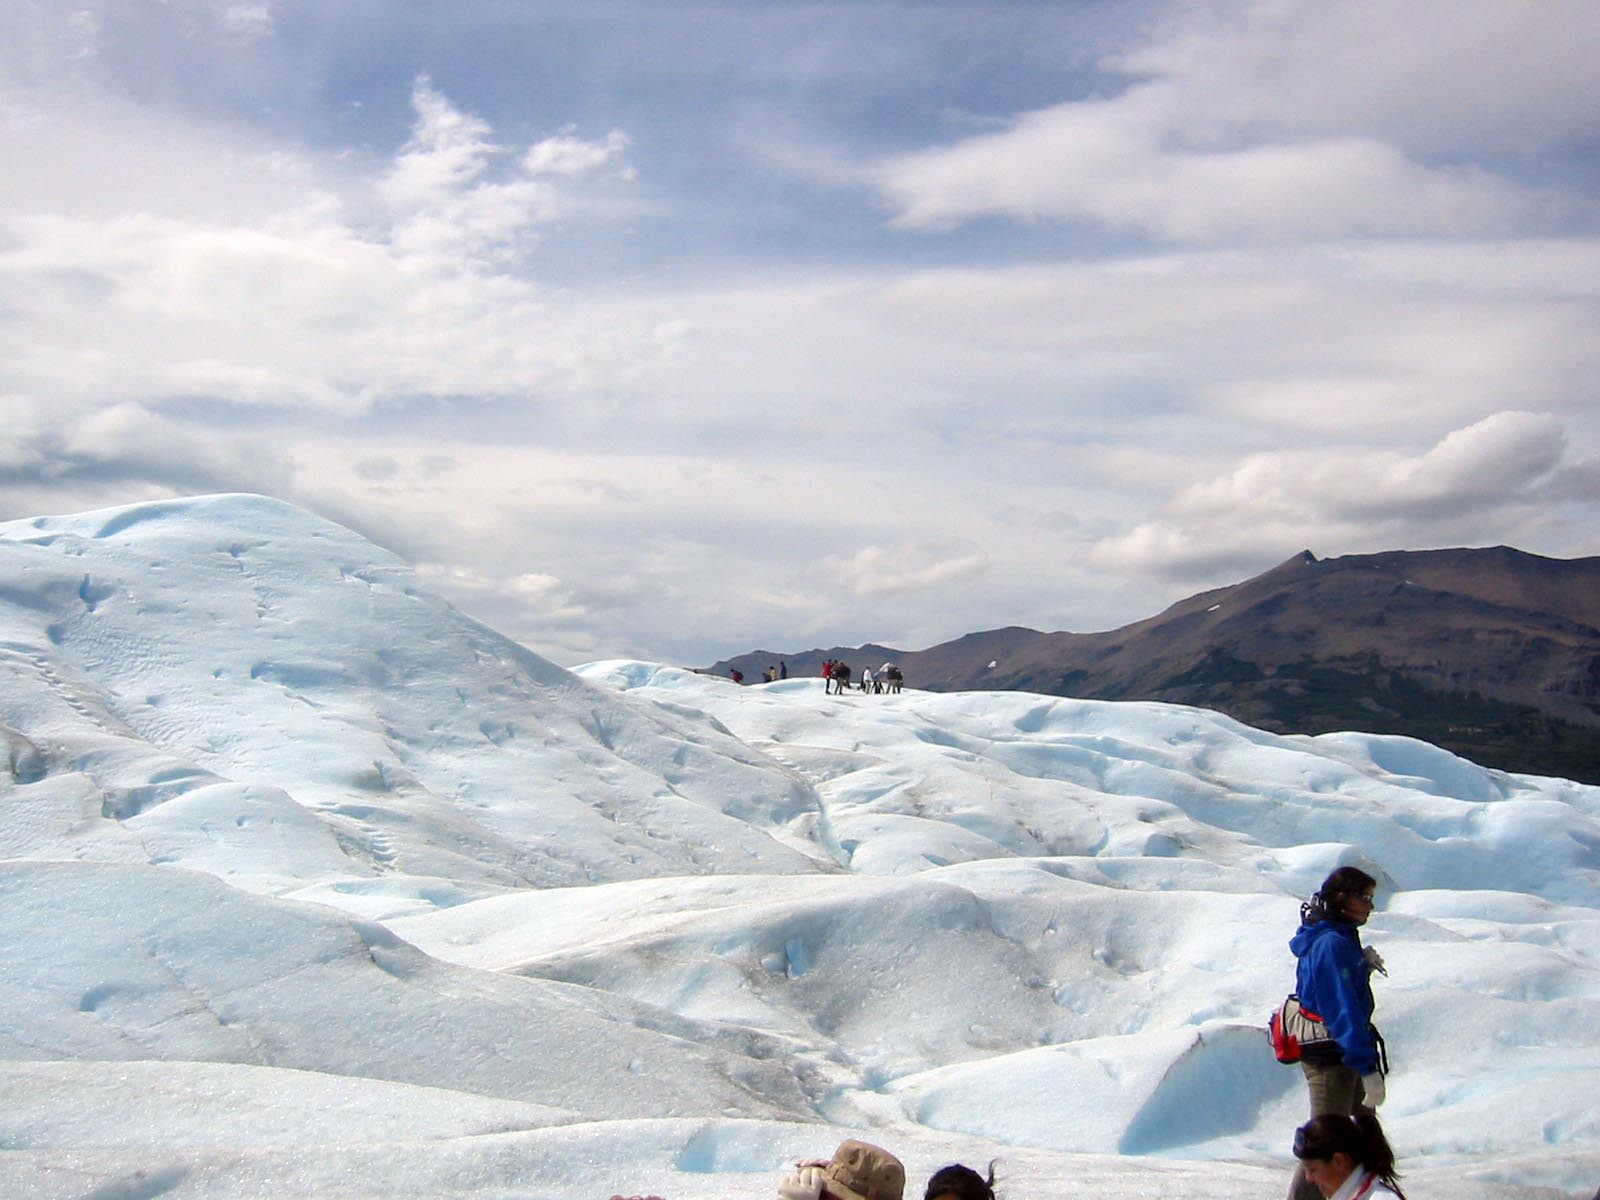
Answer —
665 330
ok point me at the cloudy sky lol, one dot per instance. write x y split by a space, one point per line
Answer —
676 329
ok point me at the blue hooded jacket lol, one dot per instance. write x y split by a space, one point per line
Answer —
1334 981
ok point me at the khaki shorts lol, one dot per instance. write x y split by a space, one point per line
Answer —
1333 1089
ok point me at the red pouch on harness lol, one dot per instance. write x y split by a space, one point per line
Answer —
1299 1035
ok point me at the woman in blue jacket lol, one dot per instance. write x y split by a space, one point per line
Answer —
1334 980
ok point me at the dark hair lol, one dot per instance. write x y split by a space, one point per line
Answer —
962 1182
1328 903
1360 1137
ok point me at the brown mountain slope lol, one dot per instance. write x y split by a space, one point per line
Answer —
1493 653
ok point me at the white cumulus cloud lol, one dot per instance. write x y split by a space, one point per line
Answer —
449 200
878 571
1247 121
1483 478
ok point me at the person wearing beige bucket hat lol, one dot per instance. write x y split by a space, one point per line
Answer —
857 1171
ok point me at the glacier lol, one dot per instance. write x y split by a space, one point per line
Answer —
315 886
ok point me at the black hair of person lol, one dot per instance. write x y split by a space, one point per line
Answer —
1328 903
961 1182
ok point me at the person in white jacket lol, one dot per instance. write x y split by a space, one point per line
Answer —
1347 1158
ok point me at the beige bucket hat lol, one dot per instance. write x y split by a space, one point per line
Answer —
862 1171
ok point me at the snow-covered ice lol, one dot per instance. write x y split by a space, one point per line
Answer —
313 886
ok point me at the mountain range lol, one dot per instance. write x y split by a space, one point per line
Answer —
1491 653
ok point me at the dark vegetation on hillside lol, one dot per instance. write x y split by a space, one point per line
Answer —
1493 654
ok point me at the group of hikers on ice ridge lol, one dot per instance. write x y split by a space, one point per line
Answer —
836 677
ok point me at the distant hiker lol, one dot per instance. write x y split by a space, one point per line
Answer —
783 669
958 1182
772 675
866 679
895 678
827 676
736 675
1333 979
841 677
1347 1158
857 1171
